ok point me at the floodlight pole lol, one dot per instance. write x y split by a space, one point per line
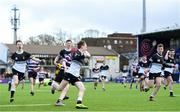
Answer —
15 19
144 17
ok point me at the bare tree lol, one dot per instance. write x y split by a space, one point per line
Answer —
43 39
91 33
77 38
61 35
103 34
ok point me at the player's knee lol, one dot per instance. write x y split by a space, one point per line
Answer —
150 85
67 86
15 83
82 89
158 85
59 89
171 82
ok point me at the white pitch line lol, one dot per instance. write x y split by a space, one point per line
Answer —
27 105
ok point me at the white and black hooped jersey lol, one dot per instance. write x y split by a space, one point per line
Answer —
76 63
157 62
171 62
31 64
20 61
96 72
104 70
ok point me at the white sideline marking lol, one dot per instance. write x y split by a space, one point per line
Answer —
27 105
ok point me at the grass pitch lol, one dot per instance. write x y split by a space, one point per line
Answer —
115 98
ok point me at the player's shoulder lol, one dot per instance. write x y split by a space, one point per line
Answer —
62 51
155 55
26 53
14 54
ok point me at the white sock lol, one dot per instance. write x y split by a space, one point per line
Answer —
13 88
79 99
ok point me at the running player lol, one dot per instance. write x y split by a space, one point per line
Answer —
124 75
157 62
134 72
19 67
41 74
32 68
63 61
168 71
143 68
72 75
96 72
104 72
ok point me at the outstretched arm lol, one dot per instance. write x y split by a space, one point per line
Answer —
166 56
56 60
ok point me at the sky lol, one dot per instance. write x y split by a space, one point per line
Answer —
76 16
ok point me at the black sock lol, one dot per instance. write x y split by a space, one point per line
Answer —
12 94
9 86
79 102
58 101
171 93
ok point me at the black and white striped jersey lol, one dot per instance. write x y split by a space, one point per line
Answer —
66 56
31 64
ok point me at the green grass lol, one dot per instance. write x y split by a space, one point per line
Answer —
115 98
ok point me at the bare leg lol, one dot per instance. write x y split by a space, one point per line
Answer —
81 89
103 83
95 83
32 83
14 84
170 82
156 89
64 87
64 92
